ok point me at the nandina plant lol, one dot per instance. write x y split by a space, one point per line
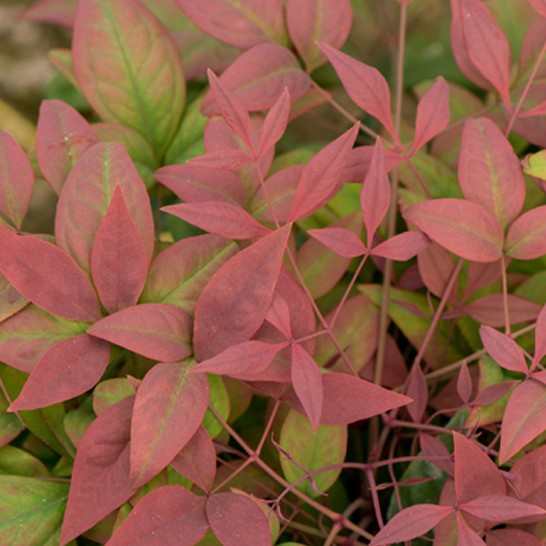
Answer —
239 335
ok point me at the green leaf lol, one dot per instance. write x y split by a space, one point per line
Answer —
20 463
142 82
219 398
311 451
110 392
77 420
31 511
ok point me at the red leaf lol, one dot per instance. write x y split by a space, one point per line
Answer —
235 302
320 179
311 21
503 350
241 25
16 180
523 418
466 536
192 183
436 265
69 368
462 227
230 159
503 509
259 76
411 523
375 195
118 259
359 161
155 330
433 114
476 475
236 520
168 516
220 218
100 479
307 383
489 310
246 361
417 389
540 338
231 109
348 399
432 449
197 460
539 6
526 237
403 246
179 273
509 537
62 137
169 407
47 277
528 477
480 46
364 84
275 122
279 315
340 240
489 170
464 384
86 197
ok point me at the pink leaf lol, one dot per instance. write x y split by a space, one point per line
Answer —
526 237
154 330
523 418
503 509
321 176
436 265
417 389
100 479
16 180
220 218
241 25
229 159
466 536
167 512
403 246
489 171
231 109
375 195
503 350
540 338
57 12
246 361
364 84
480 46
62 137
411 523
489 310
86 196
432 449
169 407
236 520
462 227
358 163
476 475
46 276
340 240
193 184
235 302
433 114
197 460
348 399
307 383
510 536
311 21
259 76
275 122
464 384
68 369
118 259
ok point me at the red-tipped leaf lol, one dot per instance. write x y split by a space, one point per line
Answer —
156 330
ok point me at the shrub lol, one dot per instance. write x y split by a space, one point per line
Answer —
242 334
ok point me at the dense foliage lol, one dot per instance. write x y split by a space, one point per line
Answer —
293 295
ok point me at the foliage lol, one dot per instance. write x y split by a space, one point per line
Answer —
237 334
